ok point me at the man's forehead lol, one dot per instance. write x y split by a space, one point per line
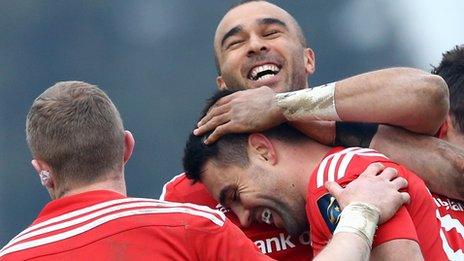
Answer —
215 177
213 174
246 13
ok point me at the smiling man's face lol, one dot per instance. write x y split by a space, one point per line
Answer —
256 193
258 44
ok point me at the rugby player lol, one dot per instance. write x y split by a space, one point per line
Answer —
277 176
79 150
259 44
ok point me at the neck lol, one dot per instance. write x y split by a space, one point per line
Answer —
303 159
457 139
113 183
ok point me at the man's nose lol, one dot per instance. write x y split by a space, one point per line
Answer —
256 45
244 215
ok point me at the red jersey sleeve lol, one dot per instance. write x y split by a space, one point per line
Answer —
181 189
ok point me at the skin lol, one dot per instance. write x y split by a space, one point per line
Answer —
263 34
242 195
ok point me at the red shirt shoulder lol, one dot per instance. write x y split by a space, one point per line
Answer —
132 229
181 189
416 221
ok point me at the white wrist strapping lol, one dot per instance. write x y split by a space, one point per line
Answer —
317 103
361 219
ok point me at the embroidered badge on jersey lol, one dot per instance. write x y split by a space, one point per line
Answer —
330 211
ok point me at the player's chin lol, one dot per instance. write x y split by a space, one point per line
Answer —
295 228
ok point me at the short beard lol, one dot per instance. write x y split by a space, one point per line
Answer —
293 217
295 225
298 80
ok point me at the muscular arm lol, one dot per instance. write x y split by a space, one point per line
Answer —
437 162
403 97
349 246
399 249
343 243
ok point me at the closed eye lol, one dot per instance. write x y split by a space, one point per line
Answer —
234 44
270 33
228 195
235 196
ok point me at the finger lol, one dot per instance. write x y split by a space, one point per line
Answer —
333 188
225 99
218 132
405 197
213 112
400 183
389 173
212 124
373 169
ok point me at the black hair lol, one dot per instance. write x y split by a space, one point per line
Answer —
451 69
230 149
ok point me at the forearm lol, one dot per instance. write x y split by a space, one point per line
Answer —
352 239
438 163
403 97
345 246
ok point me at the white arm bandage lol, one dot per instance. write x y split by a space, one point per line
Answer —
360 219
317 103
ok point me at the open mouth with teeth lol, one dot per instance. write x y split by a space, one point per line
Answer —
263 72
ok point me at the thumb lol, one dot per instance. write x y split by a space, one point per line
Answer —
333 188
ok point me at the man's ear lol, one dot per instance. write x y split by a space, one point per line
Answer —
129 143
46 178
310 61
262 147
443 131
220 83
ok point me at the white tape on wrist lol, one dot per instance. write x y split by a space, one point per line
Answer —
361 219
317 103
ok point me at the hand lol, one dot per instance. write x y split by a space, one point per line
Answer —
380 190
243 111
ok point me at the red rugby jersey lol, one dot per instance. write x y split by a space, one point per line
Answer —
270 240
104 225
416 221
451 216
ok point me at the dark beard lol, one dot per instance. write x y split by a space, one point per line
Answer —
294 217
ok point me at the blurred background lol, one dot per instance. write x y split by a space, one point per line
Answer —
154 59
